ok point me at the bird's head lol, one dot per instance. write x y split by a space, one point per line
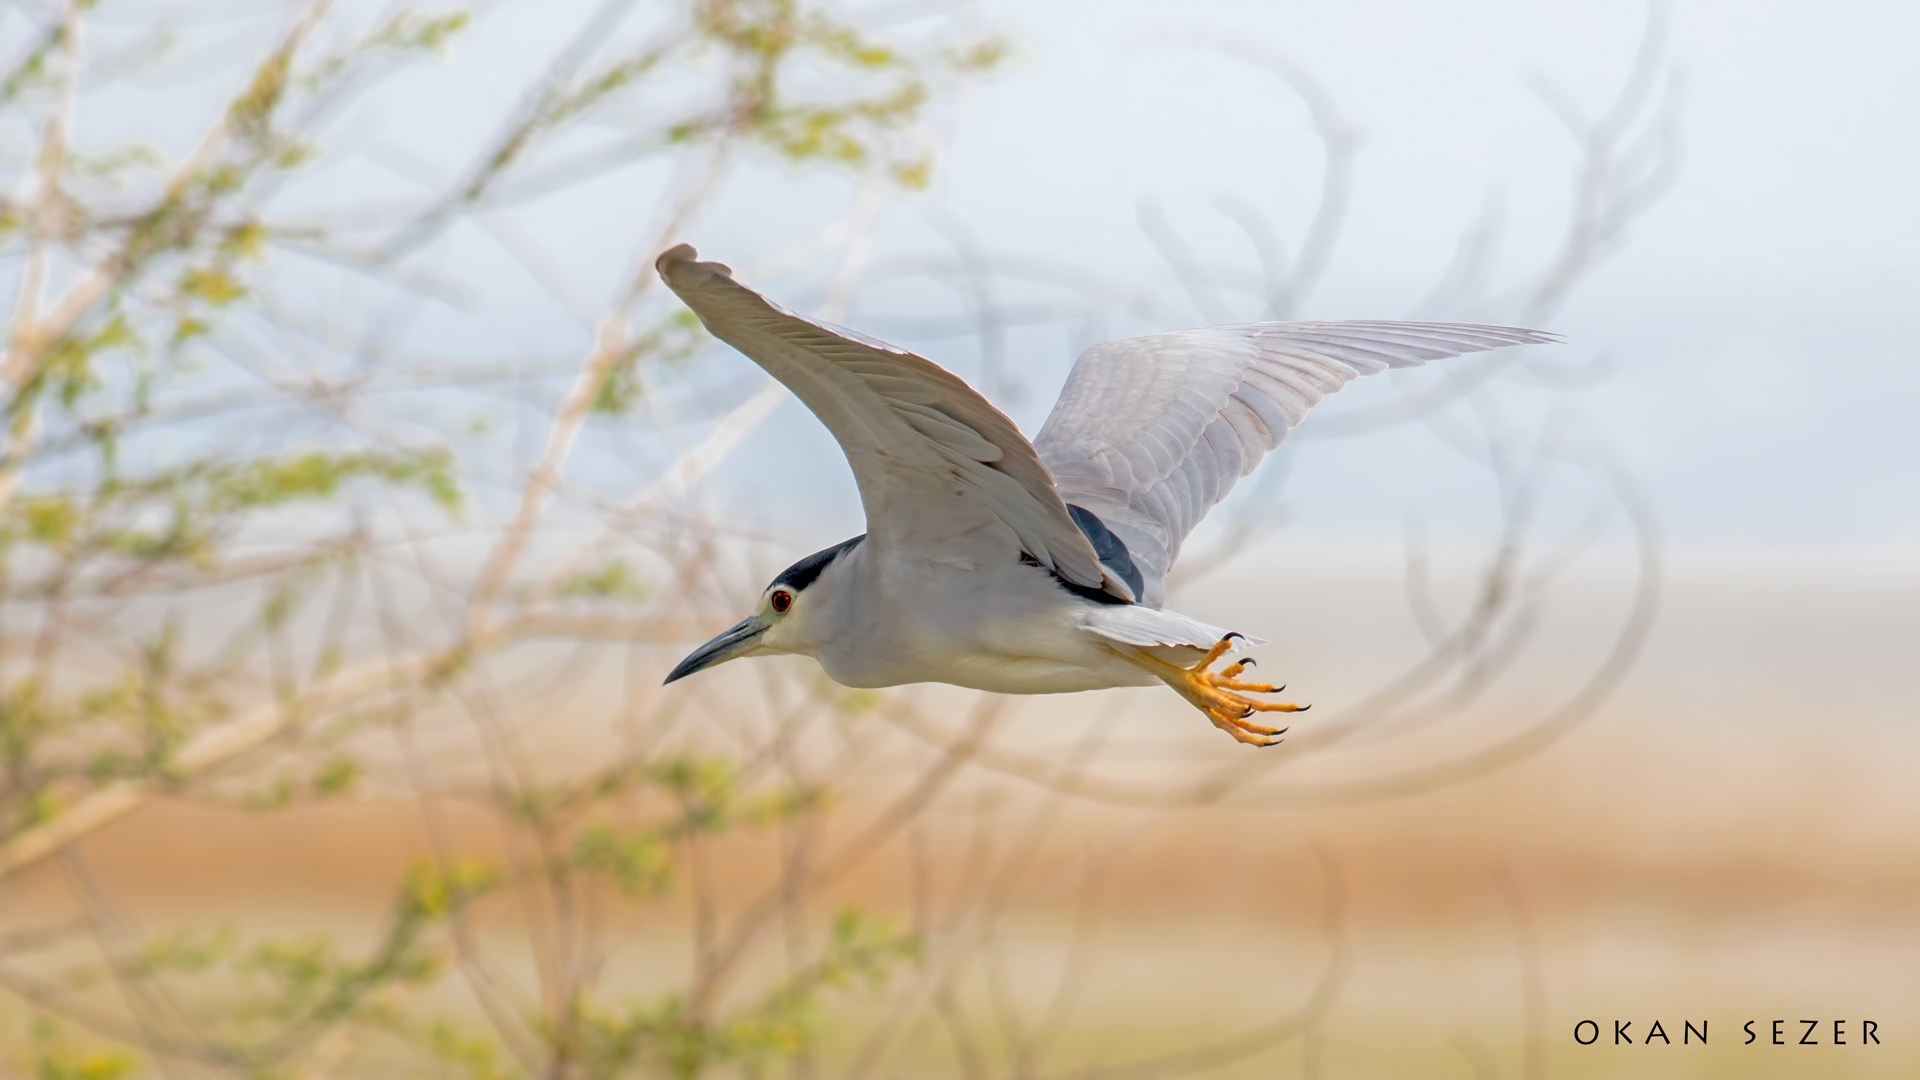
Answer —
777 625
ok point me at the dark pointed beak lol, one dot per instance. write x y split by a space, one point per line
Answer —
721 649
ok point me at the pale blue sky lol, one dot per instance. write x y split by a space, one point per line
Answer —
1766 379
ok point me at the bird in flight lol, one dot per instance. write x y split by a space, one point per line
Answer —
1036 567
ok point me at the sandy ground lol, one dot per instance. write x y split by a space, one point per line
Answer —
1730 840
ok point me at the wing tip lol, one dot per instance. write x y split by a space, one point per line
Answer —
680 267
1508 335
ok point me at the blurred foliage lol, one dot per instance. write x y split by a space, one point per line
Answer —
239 529
53 1058
193 601
660 1038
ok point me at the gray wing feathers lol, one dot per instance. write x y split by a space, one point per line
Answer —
1150 432
915 434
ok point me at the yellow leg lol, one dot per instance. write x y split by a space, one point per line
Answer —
1218 694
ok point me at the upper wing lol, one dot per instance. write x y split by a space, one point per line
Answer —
941 472
1151 431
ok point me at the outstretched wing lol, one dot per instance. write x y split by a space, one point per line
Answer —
1150 432
942 473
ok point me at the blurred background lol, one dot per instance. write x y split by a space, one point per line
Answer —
360 485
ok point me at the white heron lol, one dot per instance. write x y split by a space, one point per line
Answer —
1036 567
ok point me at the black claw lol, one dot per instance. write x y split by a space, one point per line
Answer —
1303 708
1248 662
1231 634
1249 712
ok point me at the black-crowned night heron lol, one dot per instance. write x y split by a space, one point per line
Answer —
1035 567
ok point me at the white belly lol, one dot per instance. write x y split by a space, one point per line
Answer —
1009 629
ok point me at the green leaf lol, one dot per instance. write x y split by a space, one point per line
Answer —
638 861
433 890
212 284
50 520
614 581
186 329
339 776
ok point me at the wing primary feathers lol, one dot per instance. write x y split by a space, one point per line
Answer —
1151 432
942 474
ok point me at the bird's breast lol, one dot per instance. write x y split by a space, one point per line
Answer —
1008 629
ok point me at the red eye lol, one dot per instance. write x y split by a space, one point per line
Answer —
781 601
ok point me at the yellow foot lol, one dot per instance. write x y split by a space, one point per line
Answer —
1220 695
